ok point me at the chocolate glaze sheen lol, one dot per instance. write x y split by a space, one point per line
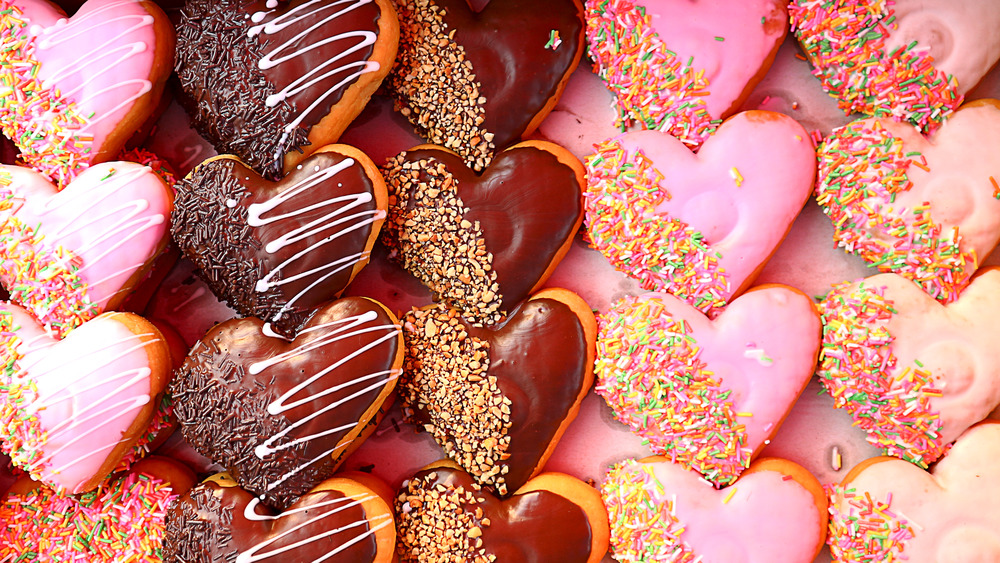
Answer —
528 203
208 525
505 42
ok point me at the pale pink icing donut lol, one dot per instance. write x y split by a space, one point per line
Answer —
708 394
889 510
69 255
913 373
661 512
71 408
682 66
699 226
923 207
99 75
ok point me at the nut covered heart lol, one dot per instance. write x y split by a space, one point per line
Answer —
282 415
924 207
700 226
280 250
69 255
70 409
707 393
498 399
913 373
483 242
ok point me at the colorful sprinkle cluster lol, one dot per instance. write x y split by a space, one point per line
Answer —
158 166
845 42
21 432
858 368
649 372
662 252
653 86
44 125
162 420
39 275
121 521
862 168
865 530
644 527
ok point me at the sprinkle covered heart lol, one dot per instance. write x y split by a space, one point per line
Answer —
681 67
483 242
70 409
444 515
69 255
79 87
342 519
887 509
700 226
924 207
477 82
282 415
659 511
498 399
913 373
280 250
707 393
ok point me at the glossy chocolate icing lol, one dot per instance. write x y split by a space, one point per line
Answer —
528 203
539 357
536 527
210 223
209 525
222 405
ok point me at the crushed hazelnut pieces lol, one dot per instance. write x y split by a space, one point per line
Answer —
446 386
435 87
426 232
439 523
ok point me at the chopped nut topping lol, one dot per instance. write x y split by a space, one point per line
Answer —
438 524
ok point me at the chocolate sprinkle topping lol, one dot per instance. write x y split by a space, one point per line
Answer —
189 531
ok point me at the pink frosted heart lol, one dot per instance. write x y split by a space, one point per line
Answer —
950 514
67 256
707 393
661 512
69 409
923 207
699 226
699 60
99 75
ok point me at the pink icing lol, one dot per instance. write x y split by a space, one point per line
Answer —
90 387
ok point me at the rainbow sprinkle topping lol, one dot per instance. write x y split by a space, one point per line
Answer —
21 431
662 252
644 527
845 42
652 85
891 403
121 521
862 168
43 124
649 372
865 530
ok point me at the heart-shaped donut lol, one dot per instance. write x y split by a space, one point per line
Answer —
707 393
700 226
69 255
272 81
913 373
279 250
444 515
477 82
909 60
925 208
660 511
483 242
498 399
890 510
282 415
342 519
78 88
70 409
679 66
